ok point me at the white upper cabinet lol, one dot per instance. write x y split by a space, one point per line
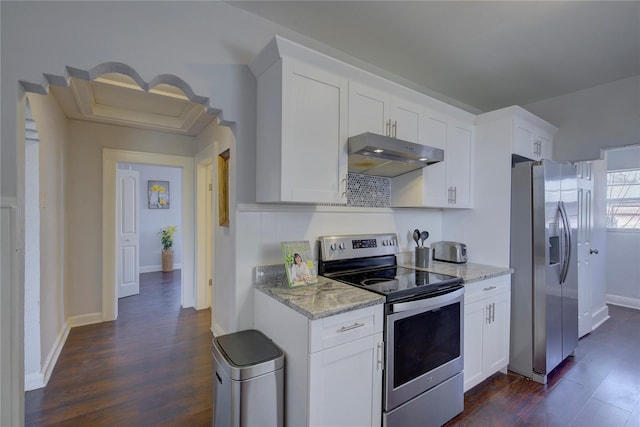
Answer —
522 133
447 184
301 134
531 141
372 110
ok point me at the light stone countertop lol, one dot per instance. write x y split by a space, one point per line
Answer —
323 299
468 272
329 297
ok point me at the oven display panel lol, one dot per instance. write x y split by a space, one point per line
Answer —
364 243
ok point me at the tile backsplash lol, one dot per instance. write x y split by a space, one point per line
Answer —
368 191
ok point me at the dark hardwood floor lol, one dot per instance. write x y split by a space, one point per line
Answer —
598 387
150 367
153 367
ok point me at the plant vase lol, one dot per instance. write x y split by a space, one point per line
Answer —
167 260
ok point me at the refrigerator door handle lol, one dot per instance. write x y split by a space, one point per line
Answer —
566 230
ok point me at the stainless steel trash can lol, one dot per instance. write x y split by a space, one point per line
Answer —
248 380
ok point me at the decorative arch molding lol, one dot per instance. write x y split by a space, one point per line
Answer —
121 68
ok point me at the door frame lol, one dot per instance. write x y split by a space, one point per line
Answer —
110 160
204 161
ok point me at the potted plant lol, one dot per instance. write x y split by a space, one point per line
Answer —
166 235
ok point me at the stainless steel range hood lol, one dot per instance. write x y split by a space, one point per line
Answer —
379 155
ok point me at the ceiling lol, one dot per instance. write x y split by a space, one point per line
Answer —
117 99
487 55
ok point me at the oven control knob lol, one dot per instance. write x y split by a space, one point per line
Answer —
333 246
342 246
394 242
385 243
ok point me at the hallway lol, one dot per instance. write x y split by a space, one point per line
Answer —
152 366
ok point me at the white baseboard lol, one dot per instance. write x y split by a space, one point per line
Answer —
54 353
84 319
216 330
154 268
34 381
623 301
599 317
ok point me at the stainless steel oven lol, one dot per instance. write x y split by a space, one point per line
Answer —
423 329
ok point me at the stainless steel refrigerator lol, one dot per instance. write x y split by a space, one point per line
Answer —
544 291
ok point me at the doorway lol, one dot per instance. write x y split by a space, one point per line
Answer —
149 200
110 161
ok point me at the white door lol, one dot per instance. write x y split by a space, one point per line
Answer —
368 110
127 238
589 258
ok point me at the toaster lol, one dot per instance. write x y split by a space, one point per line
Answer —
449 252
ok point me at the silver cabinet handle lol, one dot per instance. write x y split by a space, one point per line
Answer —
493 311
594 251
395 128
380 361
488 308
488 288
388 128
348 328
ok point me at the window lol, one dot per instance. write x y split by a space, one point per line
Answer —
623 199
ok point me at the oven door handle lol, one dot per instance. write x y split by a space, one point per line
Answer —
427 302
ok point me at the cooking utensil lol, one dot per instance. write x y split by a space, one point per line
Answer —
416 237
424 235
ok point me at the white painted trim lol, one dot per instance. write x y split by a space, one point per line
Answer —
154 268
217 330
623 301
54 353
8 202
204 159
110 158
84 319
34 381
599 317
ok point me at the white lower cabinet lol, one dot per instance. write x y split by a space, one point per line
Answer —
486 329
333 365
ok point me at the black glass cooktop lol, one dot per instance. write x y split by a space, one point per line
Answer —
399 282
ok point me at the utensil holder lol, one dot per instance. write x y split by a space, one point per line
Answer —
422 257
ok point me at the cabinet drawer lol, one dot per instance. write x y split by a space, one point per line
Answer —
476 291
341 328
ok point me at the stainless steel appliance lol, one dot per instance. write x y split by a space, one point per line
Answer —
450 252
544 293
423 330
381 155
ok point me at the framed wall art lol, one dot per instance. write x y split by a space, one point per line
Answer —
159 195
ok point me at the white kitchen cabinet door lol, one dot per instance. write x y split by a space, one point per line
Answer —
405 120
372 110
486 329
474 319
368 110
495 349
545 144
459 162
301 134
447 184
523 139
345 384
531 141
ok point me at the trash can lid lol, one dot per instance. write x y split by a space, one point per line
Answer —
246 348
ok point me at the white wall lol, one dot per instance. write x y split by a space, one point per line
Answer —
84 201
623 254
592 119
152 220
52 129
260 234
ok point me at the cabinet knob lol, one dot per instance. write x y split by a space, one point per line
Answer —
594 251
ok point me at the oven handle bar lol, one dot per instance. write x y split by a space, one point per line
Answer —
426 302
